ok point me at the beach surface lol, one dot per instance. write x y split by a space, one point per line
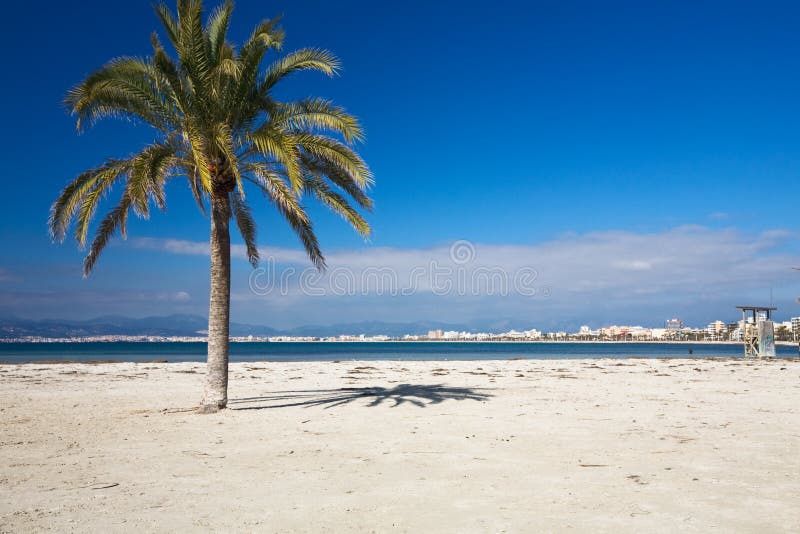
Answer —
442 446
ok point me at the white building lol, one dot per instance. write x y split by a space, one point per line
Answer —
513 334
658 333
533 334
796 327
715 329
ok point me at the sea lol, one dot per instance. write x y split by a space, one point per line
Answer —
332 351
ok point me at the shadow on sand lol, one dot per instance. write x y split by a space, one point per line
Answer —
417 395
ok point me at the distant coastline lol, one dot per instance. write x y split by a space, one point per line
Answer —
182 339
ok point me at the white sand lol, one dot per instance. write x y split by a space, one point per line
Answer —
600 445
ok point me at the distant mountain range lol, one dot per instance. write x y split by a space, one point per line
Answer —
193 325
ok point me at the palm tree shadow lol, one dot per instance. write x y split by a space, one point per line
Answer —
417 395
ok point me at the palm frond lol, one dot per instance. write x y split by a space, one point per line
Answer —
230 67
318 114
240 99
337 203
266 35
116 219
176 87
149 171
217 29
194 48
273 185
247 226
198 148
340 179
91 183
336 154
304 59
282 197
280 147
197 193
124 87
169 23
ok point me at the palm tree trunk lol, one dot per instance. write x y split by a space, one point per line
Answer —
215 394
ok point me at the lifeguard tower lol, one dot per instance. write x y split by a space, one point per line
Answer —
759 334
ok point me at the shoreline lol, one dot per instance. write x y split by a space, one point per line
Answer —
504 341
429 361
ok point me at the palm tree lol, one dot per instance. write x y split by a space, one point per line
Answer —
219 127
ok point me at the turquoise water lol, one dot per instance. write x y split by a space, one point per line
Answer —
321 351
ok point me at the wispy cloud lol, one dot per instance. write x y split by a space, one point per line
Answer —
201 248
696 272
689 259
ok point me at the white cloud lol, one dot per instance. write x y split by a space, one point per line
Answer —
688 259
635 265
201 248
177 296
696 273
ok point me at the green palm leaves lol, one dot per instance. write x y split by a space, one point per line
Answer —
220 129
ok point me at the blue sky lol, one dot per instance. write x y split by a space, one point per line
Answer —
587 141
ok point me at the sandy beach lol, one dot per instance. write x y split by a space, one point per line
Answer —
481 446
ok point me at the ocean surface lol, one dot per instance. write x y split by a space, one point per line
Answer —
322 351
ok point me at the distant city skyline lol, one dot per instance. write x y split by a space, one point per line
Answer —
188 328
